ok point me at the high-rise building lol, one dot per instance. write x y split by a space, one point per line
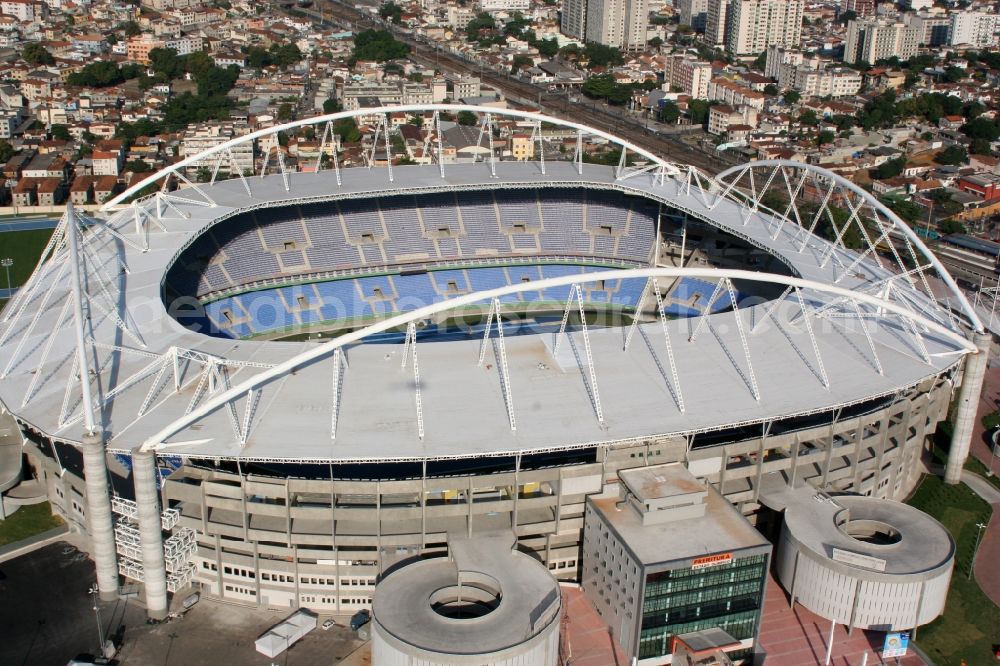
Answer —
777 56
688 74
871 40
757 24
859 7
717 22
975 28
932 29
618 23
573 22
693 13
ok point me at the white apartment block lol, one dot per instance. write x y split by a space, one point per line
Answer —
573 22
777 56
717 22
504 5
693 13
186 45
733 94
871 40
811 82
164 5
202 137
688 74
618 23
22 10
757 24
932 29
975 28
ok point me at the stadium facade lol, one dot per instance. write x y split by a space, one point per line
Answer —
331 371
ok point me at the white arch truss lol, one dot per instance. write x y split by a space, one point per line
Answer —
910 259
223 153
860 304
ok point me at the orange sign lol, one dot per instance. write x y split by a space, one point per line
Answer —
711 560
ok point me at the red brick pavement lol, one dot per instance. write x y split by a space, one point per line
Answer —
987 573
589 642
797 637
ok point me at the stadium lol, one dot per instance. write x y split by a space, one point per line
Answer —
328 370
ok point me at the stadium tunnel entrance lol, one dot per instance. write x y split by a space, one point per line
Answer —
315 270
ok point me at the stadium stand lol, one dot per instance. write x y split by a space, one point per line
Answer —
297 241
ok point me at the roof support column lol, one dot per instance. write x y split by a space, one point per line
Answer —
965 411
150 533
99 519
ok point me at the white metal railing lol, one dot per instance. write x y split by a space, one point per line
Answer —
130 509
180 579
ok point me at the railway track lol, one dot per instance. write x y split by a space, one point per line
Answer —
609 119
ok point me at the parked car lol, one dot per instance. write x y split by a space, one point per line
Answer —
329 623
360 619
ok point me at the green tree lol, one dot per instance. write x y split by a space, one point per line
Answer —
467 118
890 168
980 147
131 29
347 130
791 97
520 62
285 112
331 106
760 62
483 23
668 113
378 45
982 128
698 111
6 150
952 226
599 55
655 42
36 54
953 154
286 55
166 62
103 74
808 117
547 48
60 132
906 209
391 10
770 89
826 136
137 166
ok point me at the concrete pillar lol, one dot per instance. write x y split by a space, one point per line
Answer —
965 410
147 498
99 519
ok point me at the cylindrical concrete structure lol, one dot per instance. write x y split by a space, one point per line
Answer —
150 532
965 410
99 518
488 606
864 562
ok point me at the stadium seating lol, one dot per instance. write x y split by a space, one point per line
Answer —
297 241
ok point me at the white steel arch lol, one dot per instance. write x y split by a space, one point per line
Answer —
221 149
870 200
878 305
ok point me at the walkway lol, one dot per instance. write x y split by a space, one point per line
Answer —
987 573
588 641
796 636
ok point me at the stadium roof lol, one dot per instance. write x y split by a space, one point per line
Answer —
161 385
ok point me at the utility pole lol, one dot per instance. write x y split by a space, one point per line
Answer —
979 535
7 262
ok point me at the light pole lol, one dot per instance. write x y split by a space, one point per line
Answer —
97 614
975 549
7 262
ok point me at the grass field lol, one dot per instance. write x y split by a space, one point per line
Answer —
24 247
28 521
971 622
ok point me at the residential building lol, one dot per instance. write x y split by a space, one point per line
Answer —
22 10
732 93
140 46
693 13
573 21
688 74
504 5
105 187
859 7
932 29
871 40
618 23
82 190
199 138
813 82
522 147
723 116
985 185
51 191
974 28
25 192
667 555
717 22
777 56
757 24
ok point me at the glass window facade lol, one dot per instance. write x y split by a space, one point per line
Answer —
678 601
